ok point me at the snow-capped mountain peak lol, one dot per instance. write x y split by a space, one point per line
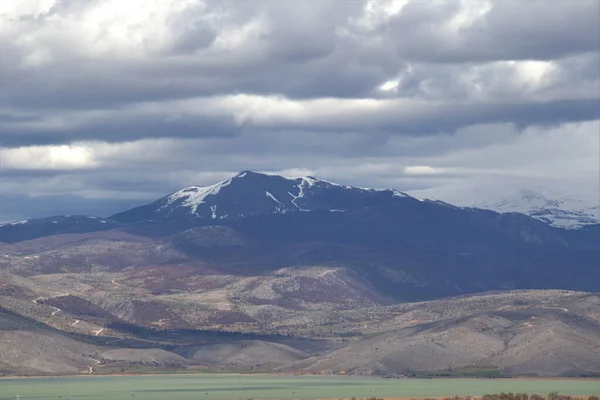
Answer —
556 207
252 193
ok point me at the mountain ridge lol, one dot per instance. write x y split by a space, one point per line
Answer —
250 193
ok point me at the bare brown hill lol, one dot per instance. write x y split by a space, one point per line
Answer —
533 341
513 333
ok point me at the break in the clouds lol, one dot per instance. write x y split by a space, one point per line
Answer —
108 103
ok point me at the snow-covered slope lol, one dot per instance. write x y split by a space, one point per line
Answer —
251 193
558 207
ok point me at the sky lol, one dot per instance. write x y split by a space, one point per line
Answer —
107 104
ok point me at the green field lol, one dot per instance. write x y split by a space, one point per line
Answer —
188 387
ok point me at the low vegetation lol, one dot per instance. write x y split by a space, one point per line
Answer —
460 373
502 396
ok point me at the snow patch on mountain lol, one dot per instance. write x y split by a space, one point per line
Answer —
15 223
195 195
303 182
396 193
312 181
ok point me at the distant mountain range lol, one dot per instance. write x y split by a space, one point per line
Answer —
559 208
269 259
308 221
251 194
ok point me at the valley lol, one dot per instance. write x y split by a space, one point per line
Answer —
224 387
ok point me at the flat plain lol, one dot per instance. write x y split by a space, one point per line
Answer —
221 387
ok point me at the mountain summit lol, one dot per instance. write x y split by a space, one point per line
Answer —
251 193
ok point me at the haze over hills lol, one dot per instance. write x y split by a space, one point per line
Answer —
301 271
557 207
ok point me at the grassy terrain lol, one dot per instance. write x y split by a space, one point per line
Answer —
188 387
461 373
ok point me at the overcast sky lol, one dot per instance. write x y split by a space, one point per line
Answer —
106 104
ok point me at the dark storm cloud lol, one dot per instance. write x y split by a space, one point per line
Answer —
395 118
119 129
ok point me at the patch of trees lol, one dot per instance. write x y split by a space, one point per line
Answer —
525 396
590 375
506 396
450 373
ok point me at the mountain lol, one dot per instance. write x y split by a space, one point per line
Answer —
557 207
314 276
250 193
57 225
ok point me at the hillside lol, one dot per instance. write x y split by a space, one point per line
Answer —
546 340
311 277
513 333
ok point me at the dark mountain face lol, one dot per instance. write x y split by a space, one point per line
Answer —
250 193
58 225
415 250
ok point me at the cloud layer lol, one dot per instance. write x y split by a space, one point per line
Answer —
105 100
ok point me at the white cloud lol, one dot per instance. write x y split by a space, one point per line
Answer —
15 9
47 157
378 12
422 170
